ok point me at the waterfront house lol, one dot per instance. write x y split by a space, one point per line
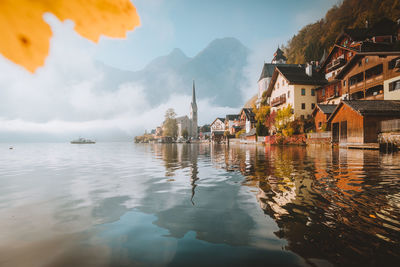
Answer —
378 38
357 122
391 86
295 85
232 123
321 114
364 75
267 72
218 130
247 119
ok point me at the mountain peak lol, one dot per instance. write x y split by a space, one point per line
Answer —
177 52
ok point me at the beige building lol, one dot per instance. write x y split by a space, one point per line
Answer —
391 89
294 85
183 125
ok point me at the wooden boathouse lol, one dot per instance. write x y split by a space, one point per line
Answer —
356 123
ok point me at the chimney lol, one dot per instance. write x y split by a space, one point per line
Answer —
309 68
366 24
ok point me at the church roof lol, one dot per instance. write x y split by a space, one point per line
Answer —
269 68
279 55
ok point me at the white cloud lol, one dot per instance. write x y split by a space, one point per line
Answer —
63 97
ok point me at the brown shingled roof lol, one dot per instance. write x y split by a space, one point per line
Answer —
389 108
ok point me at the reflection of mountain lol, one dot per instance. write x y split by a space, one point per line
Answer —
330 205
190 202
217 71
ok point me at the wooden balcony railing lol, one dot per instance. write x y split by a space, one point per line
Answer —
278 101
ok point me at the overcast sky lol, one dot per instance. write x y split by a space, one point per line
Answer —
60 101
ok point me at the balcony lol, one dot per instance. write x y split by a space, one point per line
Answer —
335 64
278 101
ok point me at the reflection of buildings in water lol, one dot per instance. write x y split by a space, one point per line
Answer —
316 195
181 156
193 168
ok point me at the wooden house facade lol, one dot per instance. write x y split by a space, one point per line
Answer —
321 114
218 130
247 119
381 37
232 123
364 76
358 121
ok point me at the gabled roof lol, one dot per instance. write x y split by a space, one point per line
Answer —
356 34
376 47
232 117
268 69
383 27
329 56
249 114
221 119
324 108
389 108
296 74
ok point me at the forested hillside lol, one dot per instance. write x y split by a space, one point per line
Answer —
311 41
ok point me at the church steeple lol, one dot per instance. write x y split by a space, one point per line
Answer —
193 114
194 95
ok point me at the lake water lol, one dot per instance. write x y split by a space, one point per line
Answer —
124 204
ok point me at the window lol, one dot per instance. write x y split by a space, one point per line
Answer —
303 91
356 78
376 90
312 106
335 88
344 83
394 85
303 105
392 63
374 71
313 92
323 91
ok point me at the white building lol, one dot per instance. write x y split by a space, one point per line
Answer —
267 72
294 85
183 124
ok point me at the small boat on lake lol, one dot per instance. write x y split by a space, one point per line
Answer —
82 141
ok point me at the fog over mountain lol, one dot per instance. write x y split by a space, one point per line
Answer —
74 95
217 71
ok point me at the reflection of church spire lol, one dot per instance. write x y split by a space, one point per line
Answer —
194 171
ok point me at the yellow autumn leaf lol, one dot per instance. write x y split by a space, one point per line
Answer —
25 36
